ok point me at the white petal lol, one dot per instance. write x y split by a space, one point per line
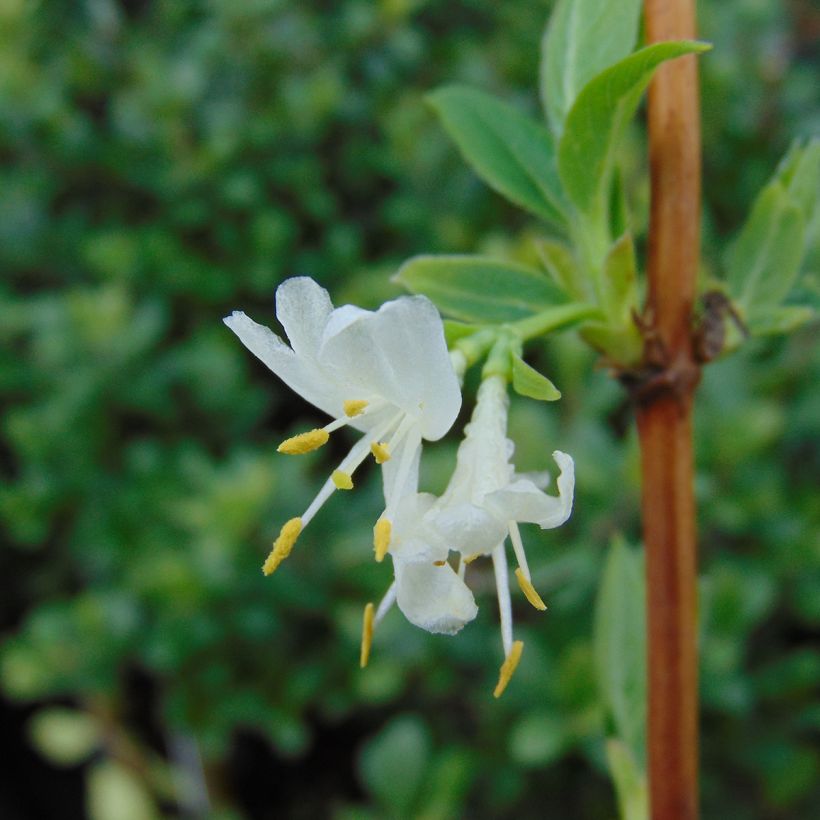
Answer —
412 540
302 375
398 353
523 501
408 449
433 597
303 308
468 528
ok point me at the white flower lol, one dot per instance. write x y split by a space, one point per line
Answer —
385 373
485 500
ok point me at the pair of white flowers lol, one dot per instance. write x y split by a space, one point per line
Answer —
388 374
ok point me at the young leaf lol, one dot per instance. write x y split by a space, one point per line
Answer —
583 38
562 266
598 117
780 320
512 153
765 258
629 780
620 645
799 172
527 381
479 289
620 280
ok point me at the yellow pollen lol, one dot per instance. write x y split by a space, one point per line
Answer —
367 635
529 590
470 558
381 537
508 667
283 545
380 451
439 563
353 407
342 480
304 442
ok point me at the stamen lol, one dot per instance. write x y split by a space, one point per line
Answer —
518 548
508 668
304 442
386 602
353 407
381 452
529 590
342 480
470 558
502 586
367 636
439 563
283 545
381 537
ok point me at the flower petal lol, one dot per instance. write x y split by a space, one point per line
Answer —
303 308
468 528
433 597
523 501
412 540
301 375
398 353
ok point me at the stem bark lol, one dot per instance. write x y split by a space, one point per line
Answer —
665 421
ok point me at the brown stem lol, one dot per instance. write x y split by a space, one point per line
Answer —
665 421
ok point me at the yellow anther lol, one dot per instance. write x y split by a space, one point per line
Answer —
380 451
353 407
508 667
283 545
529 590
304 442
367 635
381 537
439 563
470 558
342 480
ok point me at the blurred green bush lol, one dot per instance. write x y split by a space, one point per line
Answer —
164 162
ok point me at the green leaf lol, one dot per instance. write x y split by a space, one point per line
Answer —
598 117
66 737
480 289
527 381
799 172
780 320
629 780
619 284
620 645
583 38
764 260
562 266
393 764
512 153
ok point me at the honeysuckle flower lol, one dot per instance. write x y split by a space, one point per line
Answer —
386 374
485 500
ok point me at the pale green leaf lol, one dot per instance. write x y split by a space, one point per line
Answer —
764 260
512 153
527 381
561 264
619 283
799 172
598 117
479 289
115 793
629 780
620 645
582 38
65 737
394 762
783 319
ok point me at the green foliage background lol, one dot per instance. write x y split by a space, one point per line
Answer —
165 162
